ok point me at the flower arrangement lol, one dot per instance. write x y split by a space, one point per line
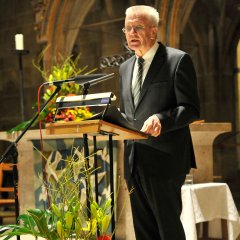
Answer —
63 68
67 217
74 114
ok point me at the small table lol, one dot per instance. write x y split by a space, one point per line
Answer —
209 202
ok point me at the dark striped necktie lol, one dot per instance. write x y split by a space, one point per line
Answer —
138 84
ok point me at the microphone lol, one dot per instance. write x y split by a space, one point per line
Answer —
97 80
77 79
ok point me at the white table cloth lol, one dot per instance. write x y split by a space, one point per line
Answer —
208 202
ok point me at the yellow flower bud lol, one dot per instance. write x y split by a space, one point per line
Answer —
55 209
60 229
68 219
105 224
94 211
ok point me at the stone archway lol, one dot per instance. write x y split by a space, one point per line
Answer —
58 22
174 15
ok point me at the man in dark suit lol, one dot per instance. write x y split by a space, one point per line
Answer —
159 97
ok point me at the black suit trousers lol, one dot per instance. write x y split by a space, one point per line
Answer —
156 206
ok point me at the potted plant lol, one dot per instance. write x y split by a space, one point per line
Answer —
67 216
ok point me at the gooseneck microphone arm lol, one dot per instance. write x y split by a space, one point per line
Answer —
87 84
77 79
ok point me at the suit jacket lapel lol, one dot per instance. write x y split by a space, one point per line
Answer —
129 69
153 70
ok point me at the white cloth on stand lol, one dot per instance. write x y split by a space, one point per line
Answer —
209 202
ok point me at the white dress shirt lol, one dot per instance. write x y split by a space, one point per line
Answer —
148 57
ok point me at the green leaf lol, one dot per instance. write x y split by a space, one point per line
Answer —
107 205
20 126
16 230
41 221
27 221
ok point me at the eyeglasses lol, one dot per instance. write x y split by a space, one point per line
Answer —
136 29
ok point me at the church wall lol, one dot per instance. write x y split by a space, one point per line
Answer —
17 17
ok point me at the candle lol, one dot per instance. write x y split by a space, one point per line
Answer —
19 42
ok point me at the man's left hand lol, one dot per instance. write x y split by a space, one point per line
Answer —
152 126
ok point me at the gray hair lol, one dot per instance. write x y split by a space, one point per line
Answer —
144 10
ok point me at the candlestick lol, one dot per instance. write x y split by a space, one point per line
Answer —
20 53
19 42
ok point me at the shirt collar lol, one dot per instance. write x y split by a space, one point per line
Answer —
148 56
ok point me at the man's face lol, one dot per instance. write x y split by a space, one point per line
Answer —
140 33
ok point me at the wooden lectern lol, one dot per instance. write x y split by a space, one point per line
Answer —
102 130
93 128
